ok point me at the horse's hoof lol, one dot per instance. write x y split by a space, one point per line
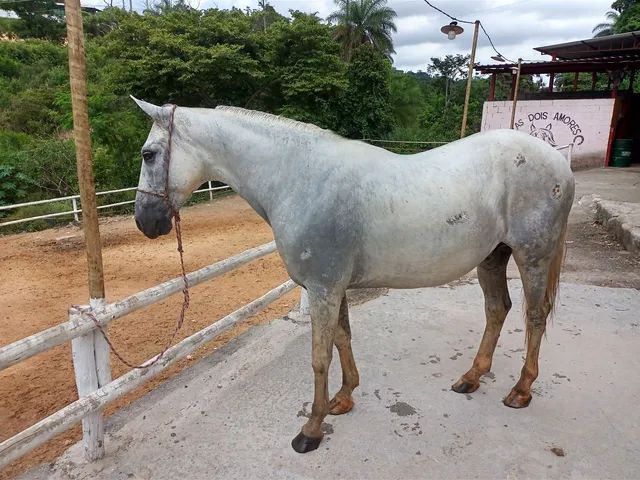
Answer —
304 444
517 400
464 386
340 405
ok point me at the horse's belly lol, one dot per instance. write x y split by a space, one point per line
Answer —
413 256
417 270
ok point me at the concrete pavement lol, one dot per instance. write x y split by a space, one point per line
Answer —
234 414
612 197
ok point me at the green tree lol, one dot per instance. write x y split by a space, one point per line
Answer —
37 19
629 20
50 164
407 99
265 17
360 22
103 22
366 102
12 185
624 17
307 76
450 68
185 56
621 5
606 28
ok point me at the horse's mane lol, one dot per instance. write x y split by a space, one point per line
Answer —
268 119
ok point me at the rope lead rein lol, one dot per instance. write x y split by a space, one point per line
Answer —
185 291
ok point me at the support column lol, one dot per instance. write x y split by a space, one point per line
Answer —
467 94
515 94
552 76
492 87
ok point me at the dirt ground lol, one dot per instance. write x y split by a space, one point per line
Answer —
45 272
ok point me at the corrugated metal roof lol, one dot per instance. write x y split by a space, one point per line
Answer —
594 64
601 46
613 52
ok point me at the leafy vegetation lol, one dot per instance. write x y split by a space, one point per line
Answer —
624 17
255 58
360 22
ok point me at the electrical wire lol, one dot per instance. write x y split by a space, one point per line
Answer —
446 14
492 45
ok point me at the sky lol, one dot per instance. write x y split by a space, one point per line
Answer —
515 26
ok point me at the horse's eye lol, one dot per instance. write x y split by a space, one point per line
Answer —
147 155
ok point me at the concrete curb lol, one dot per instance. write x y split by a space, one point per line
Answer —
622 219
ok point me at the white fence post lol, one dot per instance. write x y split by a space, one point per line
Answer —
91 365
74 204
304 302
570 154
210 191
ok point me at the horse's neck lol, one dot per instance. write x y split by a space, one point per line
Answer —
254 160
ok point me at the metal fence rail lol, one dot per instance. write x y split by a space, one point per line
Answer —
75 208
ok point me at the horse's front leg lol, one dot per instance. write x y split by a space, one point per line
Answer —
324 308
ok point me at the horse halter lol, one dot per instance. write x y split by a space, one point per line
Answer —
167 159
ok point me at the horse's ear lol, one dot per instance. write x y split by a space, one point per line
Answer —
150 109
548 127
533 127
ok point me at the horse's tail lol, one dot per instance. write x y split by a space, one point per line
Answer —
555 267
553 278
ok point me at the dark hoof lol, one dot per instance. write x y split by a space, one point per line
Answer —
517 400
304 444
463 386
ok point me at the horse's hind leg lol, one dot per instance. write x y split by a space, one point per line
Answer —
343 401
492 276
540 277
324 307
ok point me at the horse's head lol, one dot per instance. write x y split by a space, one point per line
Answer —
167 178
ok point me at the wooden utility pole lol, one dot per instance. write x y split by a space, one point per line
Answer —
515 94
78 81
90 352
472 62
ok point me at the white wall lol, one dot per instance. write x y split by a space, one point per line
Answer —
585 122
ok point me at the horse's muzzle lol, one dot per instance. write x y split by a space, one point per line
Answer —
153 217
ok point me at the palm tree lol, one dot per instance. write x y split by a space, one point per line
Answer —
363 21
606 28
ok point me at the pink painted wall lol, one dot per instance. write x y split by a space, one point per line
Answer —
585 122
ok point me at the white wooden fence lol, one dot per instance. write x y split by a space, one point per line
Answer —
75 208
91 355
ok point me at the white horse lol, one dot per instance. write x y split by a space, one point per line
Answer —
346 214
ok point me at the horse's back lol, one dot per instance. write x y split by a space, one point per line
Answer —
430 218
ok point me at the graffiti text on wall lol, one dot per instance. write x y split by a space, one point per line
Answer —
545 133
